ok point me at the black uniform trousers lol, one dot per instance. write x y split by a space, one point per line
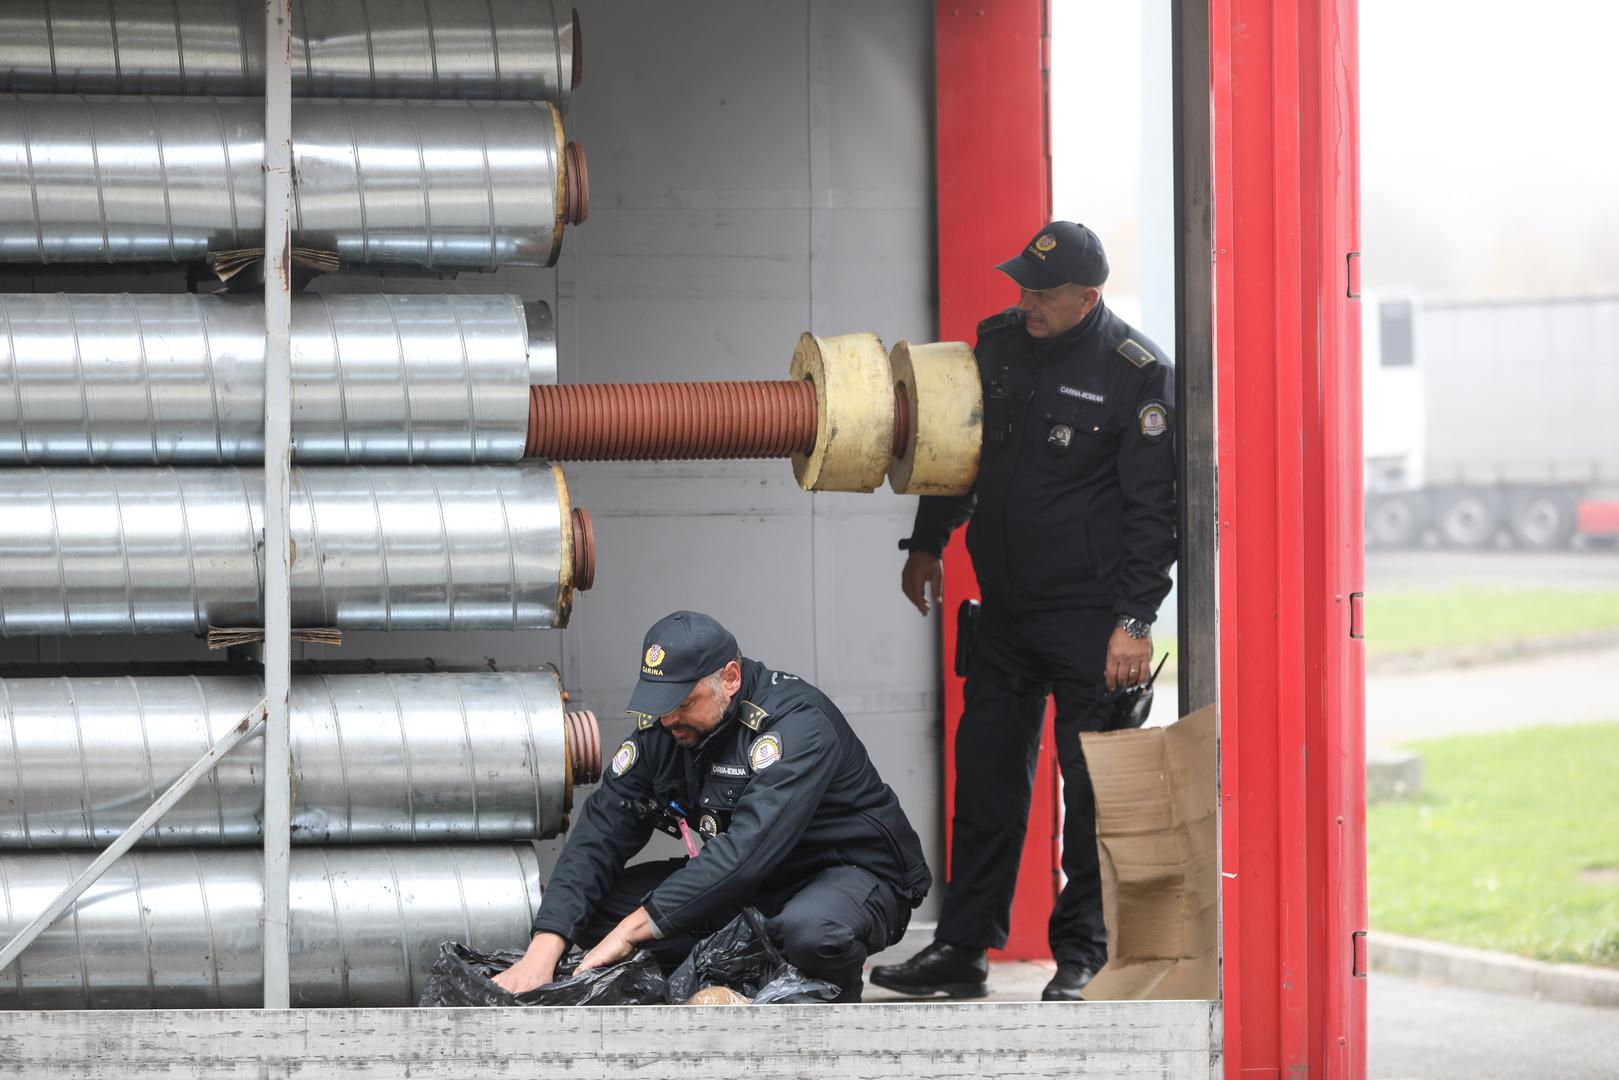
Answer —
1017 661
826 928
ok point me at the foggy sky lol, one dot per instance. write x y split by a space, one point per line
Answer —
1489 164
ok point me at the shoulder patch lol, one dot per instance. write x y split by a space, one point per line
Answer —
751 715
1154 417
1133 351
765 752
1010 317
642 720
625 757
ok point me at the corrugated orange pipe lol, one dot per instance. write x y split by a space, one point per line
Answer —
679 421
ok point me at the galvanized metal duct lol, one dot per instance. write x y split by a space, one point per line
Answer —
519 49
375 759
165 379
180 929
444 185
448 547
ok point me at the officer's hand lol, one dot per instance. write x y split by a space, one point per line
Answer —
1129 660
537 967
923 571
634 928
610 950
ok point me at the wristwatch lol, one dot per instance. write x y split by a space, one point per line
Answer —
1140 629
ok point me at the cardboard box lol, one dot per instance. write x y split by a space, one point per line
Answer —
1156 796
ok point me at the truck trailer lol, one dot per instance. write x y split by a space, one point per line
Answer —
773 189
1488 420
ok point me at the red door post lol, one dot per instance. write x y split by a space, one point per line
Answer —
1287 368
994 189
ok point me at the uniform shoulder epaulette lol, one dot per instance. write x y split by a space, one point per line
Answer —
1009 317
1133 351
752 715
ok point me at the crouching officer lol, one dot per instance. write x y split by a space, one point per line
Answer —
1072 534
792 817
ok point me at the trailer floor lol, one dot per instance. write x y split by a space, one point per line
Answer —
1009 980
1109 1040
1009 1034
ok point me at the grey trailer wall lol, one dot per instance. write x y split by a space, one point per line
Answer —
766 172
757 169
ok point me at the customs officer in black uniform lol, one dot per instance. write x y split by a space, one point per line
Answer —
764 770
1072 535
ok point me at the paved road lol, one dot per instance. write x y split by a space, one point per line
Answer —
1422 1031
1402 570
1569 688
1419 1031
1565 688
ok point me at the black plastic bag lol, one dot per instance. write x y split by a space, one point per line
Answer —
462 976
740 956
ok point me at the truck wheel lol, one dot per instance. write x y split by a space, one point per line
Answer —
1542 520
1467 519
1393 521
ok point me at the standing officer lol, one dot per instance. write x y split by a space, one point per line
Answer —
1072 535
794 818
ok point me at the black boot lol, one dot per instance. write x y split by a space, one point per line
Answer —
1068 982
955 972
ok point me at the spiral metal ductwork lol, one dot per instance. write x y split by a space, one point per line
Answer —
181 929
440 758
179 379
109 180
526 50
120 551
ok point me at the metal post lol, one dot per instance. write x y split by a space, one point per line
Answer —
243 729
1198 574
277 494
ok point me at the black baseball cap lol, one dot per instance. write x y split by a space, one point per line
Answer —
1062 253
679 652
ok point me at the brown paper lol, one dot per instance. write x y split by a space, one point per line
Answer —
1156 796
718 995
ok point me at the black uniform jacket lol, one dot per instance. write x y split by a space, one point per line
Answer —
1074 505
783 785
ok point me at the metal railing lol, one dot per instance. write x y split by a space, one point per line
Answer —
240 732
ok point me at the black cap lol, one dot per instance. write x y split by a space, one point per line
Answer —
1062 253
679 651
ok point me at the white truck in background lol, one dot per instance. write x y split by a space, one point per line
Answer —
1490 419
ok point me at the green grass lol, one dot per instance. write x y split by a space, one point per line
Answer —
1491 856
1459 618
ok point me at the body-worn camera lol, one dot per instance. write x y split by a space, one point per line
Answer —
662 818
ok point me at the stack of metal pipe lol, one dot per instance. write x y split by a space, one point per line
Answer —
129 504
427 133
417 798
